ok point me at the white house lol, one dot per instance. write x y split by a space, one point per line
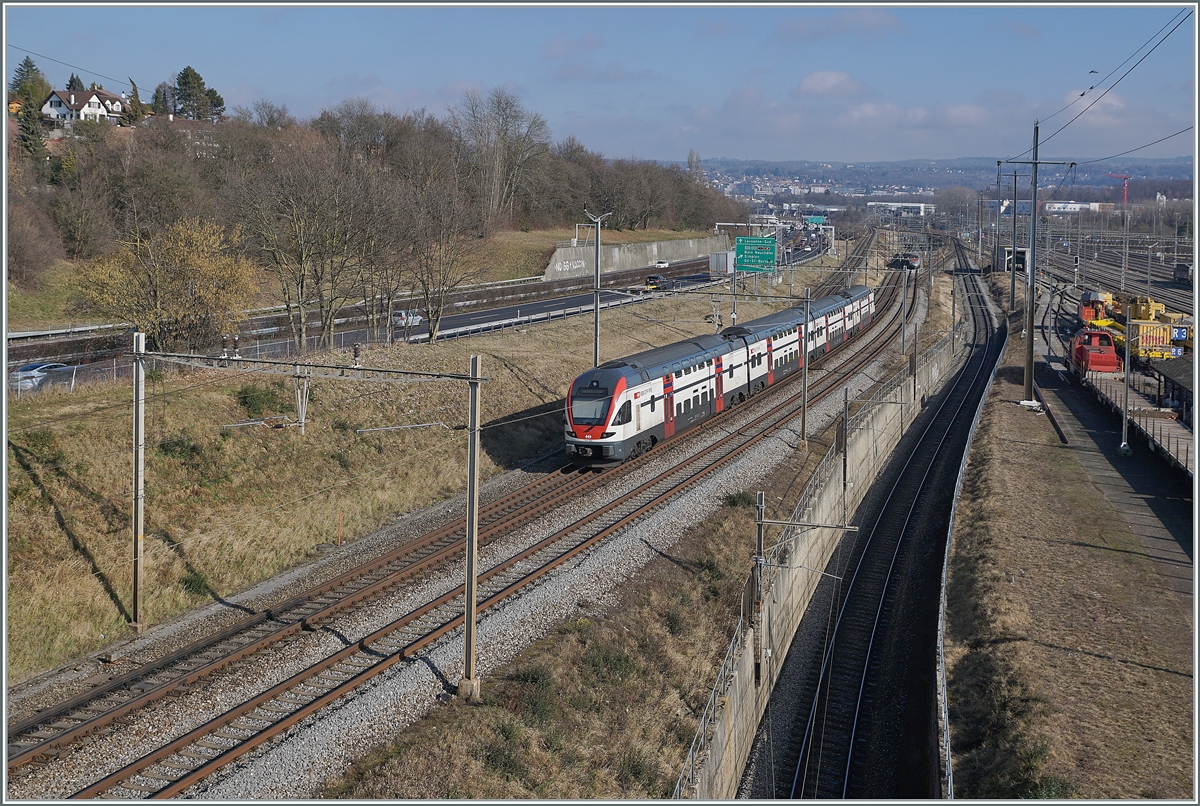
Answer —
99 105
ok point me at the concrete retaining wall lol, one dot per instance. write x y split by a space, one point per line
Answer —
788 588
580 261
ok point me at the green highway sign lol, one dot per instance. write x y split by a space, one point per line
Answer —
754 254
815 219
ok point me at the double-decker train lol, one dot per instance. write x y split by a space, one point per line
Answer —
625 407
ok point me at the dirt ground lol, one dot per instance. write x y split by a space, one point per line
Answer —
1070 662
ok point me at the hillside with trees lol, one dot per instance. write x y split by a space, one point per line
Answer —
356 204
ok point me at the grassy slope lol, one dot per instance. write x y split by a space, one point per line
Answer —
510 255
227 508
1069 662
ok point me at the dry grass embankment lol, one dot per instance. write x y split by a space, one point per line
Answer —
602 707
508 255
228 508
1069 661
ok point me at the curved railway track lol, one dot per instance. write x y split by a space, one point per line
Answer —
39 737
829 756
178 765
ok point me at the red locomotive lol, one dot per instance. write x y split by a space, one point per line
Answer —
1093 350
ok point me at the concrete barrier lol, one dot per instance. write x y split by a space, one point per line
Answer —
580 261
724 740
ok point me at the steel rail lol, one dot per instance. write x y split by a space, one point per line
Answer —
737 445
895 534
37 737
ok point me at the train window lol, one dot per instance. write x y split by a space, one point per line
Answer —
624 414
678 408
651 402
704 396
731 370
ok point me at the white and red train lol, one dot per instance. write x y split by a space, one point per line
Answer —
623 408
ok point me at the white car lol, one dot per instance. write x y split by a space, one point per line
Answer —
405 319
661 264
32 376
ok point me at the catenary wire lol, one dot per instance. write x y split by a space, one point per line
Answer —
67 64
1115 83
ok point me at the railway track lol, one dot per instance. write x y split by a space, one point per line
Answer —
39 737
294 699
830 756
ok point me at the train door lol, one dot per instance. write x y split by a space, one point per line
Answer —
719 384
669 405
770 361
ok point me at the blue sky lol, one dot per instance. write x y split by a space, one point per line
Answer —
834 83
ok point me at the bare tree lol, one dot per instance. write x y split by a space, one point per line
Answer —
501 139
442 228
308 214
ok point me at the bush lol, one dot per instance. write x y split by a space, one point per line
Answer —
259 400
742 499
194 582
608 663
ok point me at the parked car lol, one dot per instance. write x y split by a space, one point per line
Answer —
406 318
655 282
661 264
31 376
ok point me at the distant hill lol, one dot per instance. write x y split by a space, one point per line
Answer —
974 172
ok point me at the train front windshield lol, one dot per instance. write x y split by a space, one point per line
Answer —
589 405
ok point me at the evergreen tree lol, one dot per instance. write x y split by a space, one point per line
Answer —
163 103
135 110
74 82
29 133
29 84
216 105
191 96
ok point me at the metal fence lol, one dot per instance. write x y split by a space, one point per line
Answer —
122 367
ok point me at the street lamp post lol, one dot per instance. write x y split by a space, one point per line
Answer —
596 292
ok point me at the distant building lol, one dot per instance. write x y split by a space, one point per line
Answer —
902 209
64 106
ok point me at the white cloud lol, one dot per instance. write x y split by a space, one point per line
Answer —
827 83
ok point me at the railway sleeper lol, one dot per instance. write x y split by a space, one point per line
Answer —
175 765
275 709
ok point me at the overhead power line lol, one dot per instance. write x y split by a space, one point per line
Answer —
72 66
1186 14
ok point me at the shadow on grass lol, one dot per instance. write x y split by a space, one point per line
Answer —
193 580
25 458
516 438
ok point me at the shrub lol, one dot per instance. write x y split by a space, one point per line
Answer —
635 767
194 582
259 400
608 663
740 499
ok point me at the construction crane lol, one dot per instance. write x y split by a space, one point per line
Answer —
1125 195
